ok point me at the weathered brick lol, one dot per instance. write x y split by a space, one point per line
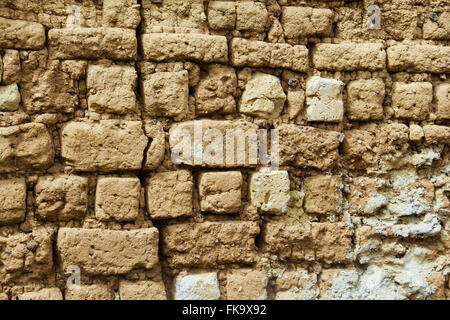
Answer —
443 101
19 34
25 147
326 242
11 67
222 15
121 13
13 195
209 244
169 194
93 43
142 290
246 284
111 89
349 57
196 47
9 98
89 292
308 147
419 58
269 191
26 256
322 195
166 94
202 286
50 294
184 16
365 197
301 22
374 144
297 284
438 30
61 91
365 100
61 198
220 192
234 134
436 134
254 53
105 146
216 91
117 199
324 100
251 16
108 252
412 100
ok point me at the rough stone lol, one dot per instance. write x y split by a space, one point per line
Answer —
413 100
166 94
263 97
108 252
301 22
117 199
443 101
269 191
202 286
50 294
111 89
25 147
89 292
106 146
13 195
196 47
121 14
221 15
220 192
246 284
142 290
169 194
365 100
9 98
251 16
419 58
19 34
349 57
209 244
324 100
322 195
11 67
93 43
216 91
259 54
308 147
61 198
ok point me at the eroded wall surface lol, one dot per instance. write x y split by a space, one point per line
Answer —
92 96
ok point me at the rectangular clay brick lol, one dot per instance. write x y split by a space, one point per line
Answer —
19 34
196 47
106 146
419 58
93 43
25 147
209 243
349 57
108 252
252 53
